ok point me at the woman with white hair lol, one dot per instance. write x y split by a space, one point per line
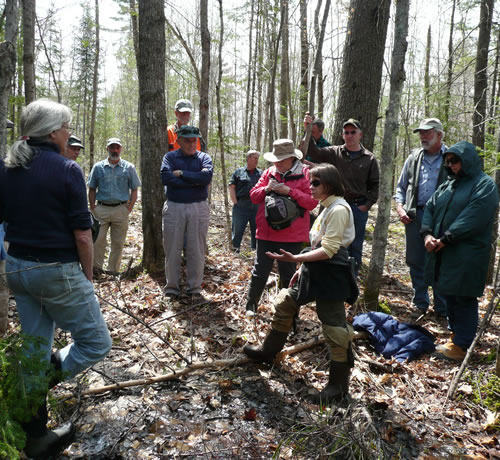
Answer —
49 261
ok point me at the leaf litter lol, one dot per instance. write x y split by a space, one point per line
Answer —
254 411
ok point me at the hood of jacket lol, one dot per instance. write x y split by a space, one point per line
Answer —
471 163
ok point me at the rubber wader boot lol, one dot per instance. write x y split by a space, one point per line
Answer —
255 290
338 383
42 443
273 344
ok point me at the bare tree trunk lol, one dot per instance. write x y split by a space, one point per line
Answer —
361 78
284 77
481 73
272 83
427 84
449 77
317 65
372 287
255 63
135 28
319 70
493 99
151 73
304 58
249 99
95 88
205 69
7 67
29 11
219 127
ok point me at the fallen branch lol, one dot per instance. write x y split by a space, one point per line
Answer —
220 363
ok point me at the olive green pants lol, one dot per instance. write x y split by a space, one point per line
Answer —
337 332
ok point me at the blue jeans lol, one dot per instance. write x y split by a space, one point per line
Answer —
462 319
415 259
356 247
243 213
60 295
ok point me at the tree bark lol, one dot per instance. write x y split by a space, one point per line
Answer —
284 75
379 245
151 73
361 78
449 77
427 83
319 70
7 67
95 88
304 58
250 83
29 11
205 69
219 127
481 73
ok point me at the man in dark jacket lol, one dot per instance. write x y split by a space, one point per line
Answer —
422 173
360 173
457 228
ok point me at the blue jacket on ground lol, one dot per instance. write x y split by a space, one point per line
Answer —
394 339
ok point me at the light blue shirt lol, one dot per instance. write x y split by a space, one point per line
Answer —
427 178
113 183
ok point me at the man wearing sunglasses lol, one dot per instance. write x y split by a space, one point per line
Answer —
186 173
360 173
422 173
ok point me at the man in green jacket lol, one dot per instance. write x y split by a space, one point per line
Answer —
457 228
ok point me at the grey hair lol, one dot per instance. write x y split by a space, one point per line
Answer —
319 123
442 132
38 120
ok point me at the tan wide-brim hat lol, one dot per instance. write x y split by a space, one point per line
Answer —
282 149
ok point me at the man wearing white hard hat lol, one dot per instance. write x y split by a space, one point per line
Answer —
114 183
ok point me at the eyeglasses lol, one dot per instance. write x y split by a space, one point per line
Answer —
452 161
67 128
315 183
350 132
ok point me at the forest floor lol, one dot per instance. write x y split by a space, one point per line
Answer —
235 409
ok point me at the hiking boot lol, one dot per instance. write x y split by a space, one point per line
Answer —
450 351
273 344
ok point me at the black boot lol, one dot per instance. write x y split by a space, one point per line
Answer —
338 384
255 290
41 442
273 344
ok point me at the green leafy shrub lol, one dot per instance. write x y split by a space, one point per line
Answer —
24 381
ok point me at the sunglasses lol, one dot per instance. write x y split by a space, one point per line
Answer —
452 160
349 132
315 183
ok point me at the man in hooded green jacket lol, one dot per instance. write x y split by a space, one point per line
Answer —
457 229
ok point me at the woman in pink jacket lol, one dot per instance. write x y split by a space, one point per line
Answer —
289 177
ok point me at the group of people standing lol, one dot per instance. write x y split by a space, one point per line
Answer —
446 202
